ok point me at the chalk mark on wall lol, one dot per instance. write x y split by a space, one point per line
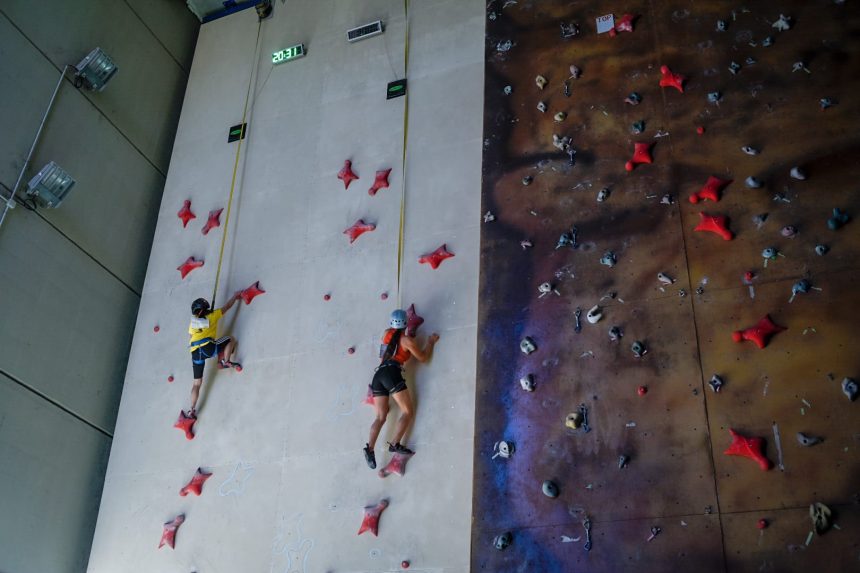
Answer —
235 484
290 544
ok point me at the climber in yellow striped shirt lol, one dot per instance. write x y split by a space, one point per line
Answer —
204 344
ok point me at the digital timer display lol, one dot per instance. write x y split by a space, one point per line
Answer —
288 54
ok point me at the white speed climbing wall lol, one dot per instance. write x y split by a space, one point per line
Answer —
283 438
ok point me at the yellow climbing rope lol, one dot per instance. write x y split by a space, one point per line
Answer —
403 159
236 164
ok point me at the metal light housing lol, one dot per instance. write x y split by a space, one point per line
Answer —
95 70
50 185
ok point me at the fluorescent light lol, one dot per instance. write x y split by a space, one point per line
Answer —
50 185
95 70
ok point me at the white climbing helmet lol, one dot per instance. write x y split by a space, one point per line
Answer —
398 319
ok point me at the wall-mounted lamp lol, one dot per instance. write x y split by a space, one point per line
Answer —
264 9
95 70
50 185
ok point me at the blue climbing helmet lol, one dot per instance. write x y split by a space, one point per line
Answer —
398 319
199 307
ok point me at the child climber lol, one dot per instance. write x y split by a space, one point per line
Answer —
204 344
396 349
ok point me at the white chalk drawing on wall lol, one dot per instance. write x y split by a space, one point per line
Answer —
290 548
325 331
235 484
348 395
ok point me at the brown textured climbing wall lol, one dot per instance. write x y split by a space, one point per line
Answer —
678 479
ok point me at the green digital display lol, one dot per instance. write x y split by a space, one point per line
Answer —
288 54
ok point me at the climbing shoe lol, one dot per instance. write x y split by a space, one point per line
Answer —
224 364
399 448
369 457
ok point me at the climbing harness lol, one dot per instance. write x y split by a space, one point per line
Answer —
251 77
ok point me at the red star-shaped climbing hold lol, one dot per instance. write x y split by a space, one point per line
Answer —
168 535
435 258
189 265
671 80
250 293
346 175
358 229
195 486
396 465
641 154
213 221
371 518
380 182
752 448
716 224
186 424
625 23
413 321
760 333
185 213
711 190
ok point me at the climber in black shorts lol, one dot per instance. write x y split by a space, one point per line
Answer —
396 349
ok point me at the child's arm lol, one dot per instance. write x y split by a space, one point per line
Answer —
230 303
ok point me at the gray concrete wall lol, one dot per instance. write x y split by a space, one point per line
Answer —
283 438
71 278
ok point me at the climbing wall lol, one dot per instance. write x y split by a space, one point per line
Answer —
283 439
645 470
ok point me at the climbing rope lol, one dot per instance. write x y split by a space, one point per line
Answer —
403 159
251 77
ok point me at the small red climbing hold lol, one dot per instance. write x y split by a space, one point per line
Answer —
213 221
358 229
346 175
189 265
642 390
186 424
404 564
368 398
715 224
760 333
671 80
384 296
762 524
748 277
700 130
413 321
326 297
185 213
195 486
371 517
625 23
711 190
435 258
752 448
380 182
156 328
350 350
641 154
250 293
168 534
170 378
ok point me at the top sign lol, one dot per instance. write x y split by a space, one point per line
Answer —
605 23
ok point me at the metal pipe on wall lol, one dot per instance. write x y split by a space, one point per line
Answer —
11 199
